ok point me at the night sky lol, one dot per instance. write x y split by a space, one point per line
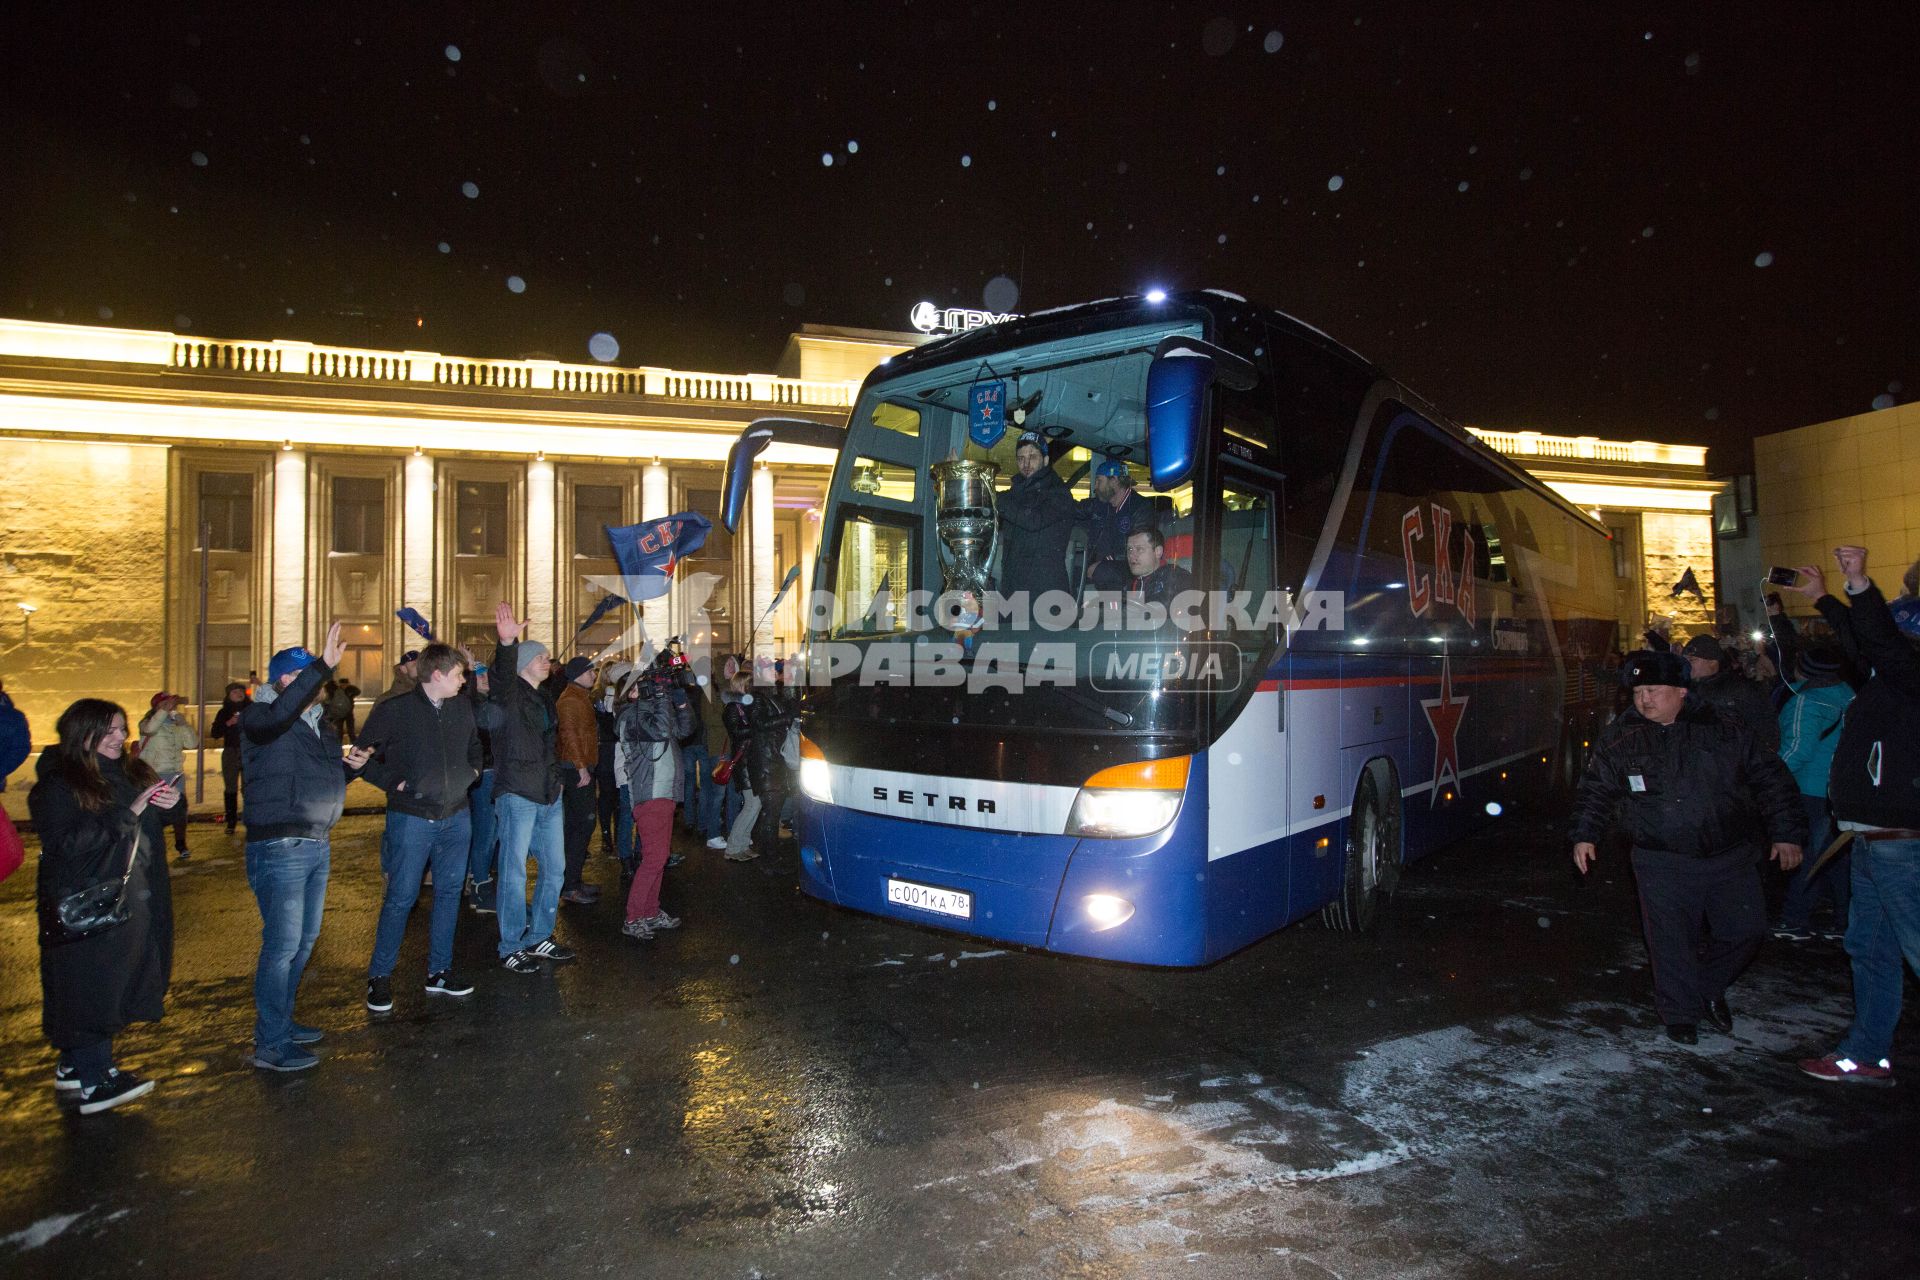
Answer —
1583 218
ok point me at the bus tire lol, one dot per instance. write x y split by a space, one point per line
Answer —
1372 869
1568 761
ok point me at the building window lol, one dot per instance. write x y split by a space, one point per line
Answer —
595 506
482 518
226 510
359 515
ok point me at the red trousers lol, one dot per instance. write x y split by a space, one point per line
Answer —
653 831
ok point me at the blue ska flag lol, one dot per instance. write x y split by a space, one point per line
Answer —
648 551
608 603
987 414
415 623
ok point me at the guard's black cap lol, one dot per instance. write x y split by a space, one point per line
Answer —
1647 666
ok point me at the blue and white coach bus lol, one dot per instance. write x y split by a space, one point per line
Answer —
1393 634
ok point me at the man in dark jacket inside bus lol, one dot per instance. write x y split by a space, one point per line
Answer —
1874 788
296 787
1037 514
426 755
1703 799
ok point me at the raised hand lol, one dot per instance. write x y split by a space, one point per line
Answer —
1812 584
504 624
336 646
1853 563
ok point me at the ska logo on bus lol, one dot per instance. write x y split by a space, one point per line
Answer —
1450 541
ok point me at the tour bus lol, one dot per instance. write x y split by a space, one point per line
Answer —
1394 635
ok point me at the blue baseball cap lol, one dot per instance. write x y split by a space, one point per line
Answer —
1111 467
288 662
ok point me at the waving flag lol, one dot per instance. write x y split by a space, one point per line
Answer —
608 603
647 552
415 623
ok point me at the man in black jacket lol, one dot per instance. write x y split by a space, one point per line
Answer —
527 784
1720 686
426 755
1874 789
296 786
1702 796
1037 516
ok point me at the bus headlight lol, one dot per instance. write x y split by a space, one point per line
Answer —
1130 799
815 779
1106 910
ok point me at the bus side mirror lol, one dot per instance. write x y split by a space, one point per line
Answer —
1177 382
753 442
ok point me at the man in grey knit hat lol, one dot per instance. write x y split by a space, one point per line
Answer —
528 780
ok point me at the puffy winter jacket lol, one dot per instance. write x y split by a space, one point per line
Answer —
524 725
434 751
651 727
165 741
1875 779
1700 786
1739 698
1810 730
295 781
769 715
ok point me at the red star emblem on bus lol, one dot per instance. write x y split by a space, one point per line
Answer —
1443 715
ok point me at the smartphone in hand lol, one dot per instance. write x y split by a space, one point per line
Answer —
1782 577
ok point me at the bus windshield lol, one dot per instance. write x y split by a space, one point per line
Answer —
993 553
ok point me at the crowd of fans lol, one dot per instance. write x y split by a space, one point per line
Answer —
1802 748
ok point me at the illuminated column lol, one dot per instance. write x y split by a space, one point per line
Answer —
655 495
416 542
289 625
761 544
542 529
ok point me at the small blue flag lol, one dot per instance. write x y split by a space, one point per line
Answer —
608 603
647 552
415 623
987 416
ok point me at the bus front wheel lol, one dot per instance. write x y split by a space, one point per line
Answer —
1372 859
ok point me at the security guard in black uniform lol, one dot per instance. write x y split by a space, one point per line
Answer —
1703 797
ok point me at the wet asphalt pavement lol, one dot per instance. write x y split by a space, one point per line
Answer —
784 1089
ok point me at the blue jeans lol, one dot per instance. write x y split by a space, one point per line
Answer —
696 771
484 840
526 827
1836 878
412 844
623 827
289 881
1883 926
712 801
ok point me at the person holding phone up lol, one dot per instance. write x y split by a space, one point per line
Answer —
100 814
165 739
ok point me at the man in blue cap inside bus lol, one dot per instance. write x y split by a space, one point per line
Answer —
1114 511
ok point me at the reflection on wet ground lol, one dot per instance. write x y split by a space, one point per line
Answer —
784 1089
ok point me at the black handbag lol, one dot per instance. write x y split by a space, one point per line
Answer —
96 908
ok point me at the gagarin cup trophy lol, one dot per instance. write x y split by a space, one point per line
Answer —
965 520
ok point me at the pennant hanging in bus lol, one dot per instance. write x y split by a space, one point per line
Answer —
987 414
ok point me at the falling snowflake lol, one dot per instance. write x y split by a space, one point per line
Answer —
826 159
853 148
1713 414
199 159
603 347
966 162
471 190
453 53
444 247
1883 401
1646 233
105 313
1461 187
1001 294
516 285
992 105
1336 182
1273 42
1763 260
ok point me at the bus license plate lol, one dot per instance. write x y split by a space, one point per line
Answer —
946 902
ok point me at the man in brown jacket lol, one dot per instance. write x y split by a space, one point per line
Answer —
578 745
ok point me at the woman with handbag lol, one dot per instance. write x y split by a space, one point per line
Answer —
106 907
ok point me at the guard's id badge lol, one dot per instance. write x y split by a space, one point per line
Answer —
1636 782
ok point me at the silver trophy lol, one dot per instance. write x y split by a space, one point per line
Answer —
965 519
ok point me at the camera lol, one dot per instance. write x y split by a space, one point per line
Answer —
1782 577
